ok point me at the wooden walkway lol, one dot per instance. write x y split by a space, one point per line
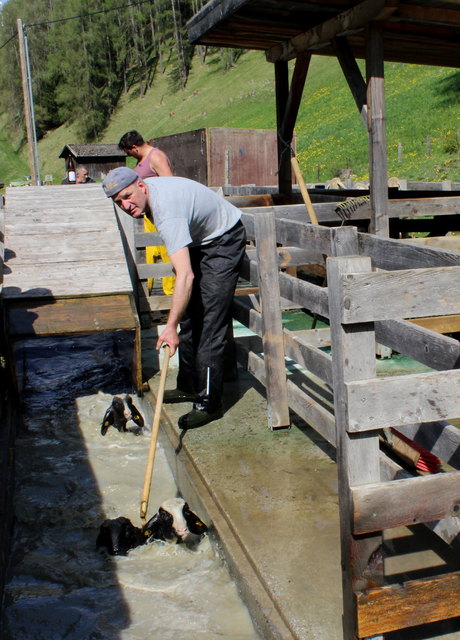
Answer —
65 270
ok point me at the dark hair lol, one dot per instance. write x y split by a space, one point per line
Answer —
129 139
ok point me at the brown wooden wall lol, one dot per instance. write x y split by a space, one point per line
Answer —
218 156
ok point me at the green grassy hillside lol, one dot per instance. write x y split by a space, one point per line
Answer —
423 115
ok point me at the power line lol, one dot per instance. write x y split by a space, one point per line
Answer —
9 40
86 15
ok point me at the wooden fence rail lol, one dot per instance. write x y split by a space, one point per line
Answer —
341 397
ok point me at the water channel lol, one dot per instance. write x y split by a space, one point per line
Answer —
69 478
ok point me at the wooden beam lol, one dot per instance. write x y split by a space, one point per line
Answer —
299 76
408 604
284 155
154 270
413 293
398 400
352 74
392 255
386 505
344 23
441 324
428 15
424 345
353 358
378 174
274 358
70 315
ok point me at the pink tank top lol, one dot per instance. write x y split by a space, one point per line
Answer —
143 169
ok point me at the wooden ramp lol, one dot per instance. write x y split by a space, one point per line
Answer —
65 269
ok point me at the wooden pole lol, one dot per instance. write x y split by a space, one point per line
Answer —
282 94
303 190
377 131
154 437
353 358
272 333
28 107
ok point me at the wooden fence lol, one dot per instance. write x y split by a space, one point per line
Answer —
375 287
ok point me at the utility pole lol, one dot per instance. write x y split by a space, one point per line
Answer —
28 105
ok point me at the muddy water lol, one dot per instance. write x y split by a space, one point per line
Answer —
69 478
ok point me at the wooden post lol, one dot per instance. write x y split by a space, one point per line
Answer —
353 358
377 134
284 156
272 329
28 104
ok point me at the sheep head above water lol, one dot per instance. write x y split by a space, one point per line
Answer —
174 521
120 412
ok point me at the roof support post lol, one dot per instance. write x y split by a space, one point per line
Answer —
284 156
287 107
378 173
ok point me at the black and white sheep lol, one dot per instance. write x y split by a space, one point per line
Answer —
174 521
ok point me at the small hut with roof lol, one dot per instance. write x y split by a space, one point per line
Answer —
98 158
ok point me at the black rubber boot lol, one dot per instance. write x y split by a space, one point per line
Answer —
173 396
198 417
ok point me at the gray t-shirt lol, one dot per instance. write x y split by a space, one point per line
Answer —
186 213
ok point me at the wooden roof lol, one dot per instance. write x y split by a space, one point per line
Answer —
415 31
92 150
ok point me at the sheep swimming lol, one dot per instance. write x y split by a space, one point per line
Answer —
174 521
119 413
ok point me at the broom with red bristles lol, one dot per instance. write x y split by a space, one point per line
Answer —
410 452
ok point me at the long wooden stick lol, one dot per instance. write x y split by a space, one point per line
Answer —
303 190
154 436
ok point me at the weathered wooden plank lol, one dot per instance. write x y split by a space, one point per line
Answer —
43 229
405 502
408 604
287 256
294 232
147 239
62 214
353 358
306 355
393 255
314 337
155 270
401 294
441 324
398 400
73 315
424 345
300 292
68 280
451 243
305 405
278 408
28 249
409 208
305 294
377 129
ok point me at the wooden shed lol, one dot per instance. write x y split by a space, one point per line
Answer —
98 158
219 156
